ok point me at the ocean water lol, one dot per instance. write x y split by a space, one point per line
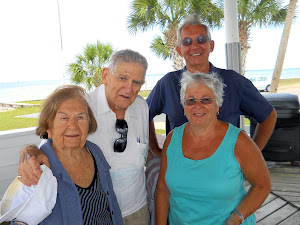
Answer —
35 90
285 74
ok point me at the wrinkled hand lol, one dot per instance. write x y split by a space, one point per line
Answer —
29 165
233 220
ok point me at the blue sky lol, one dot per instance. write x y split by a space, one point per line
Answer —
30 39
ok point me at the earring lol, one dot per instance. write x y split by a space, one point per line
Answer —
218 113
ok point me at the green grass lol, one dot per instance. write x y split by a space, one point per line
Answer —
246 121
34 102
285 82
160 131
144 94
8 121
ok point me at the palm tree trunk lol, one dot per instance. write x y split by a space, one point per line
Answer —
244 36
283 45
171 38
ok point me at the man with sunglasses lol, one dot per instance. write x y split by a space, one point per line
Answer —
122 117
241 97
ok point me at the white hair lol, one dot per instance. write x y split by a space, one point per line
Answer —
213 81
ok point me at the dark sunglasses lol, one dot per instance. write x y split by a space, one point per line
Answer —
204 101
120 143
200 40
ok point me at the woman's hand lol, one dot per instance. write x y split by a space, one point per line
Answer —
31 158
233 220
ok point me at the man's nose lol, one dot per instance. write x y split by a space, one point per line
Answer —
195 44
128 87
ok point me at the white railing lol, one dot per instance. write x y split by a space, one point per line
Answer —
11 143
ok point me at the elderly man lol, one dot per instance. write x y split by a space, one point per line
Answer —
241 97
122 134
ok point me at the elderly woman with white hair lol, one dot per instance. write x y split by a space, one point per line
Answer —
85 192
205 161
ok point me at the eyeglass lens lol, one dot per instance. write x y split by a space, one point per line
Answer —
120 143
204 101
200 40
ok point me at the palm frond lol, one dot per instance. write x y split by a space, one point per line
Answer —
160 48
88 67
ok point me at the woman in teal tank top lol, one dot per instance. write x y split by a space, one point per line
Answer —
205 161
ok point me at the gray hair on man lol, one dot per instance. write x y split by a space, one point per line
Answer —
128 56
193 19
213 81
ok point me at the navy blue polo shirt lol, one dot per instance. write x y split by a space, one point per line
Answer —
240 98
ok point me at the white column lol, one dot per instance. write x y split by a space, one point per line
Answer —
233 49
232 46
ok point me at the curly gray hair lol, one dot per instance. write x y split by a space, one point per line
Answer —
213 81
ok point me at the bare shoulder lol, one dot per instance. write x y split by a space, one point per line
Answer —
244 142
245 148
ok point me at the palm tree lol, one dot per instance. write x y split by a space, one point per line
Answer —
257 13
167 14
87 69
283 45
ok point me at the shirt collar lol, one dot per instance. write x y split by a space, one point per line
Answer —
212 69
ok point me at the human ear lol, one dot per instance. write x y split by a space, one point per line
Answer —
212 45
49 133
105 72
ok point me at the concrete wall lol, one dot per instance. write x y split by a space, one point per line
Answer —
11 143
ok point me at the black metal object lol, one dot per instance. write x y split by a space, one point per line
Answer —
284 144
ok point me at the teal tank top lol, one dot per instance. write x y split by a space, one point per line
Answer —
204 191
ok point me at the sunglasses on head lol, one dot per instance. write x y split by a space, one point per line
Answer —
189 41
120 143
192 101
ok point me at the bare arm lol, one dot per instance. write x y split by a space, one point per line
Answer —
153 143
162 196
264 130
246 153
29 165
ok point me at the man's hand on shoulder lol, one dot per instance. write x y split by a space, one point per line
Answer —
31 157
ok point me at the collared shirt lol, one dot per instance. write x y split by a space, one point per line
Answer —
240 98
127 168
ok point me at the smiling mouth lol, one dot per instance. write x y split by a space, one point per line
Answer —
72 136
199 114
196 54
